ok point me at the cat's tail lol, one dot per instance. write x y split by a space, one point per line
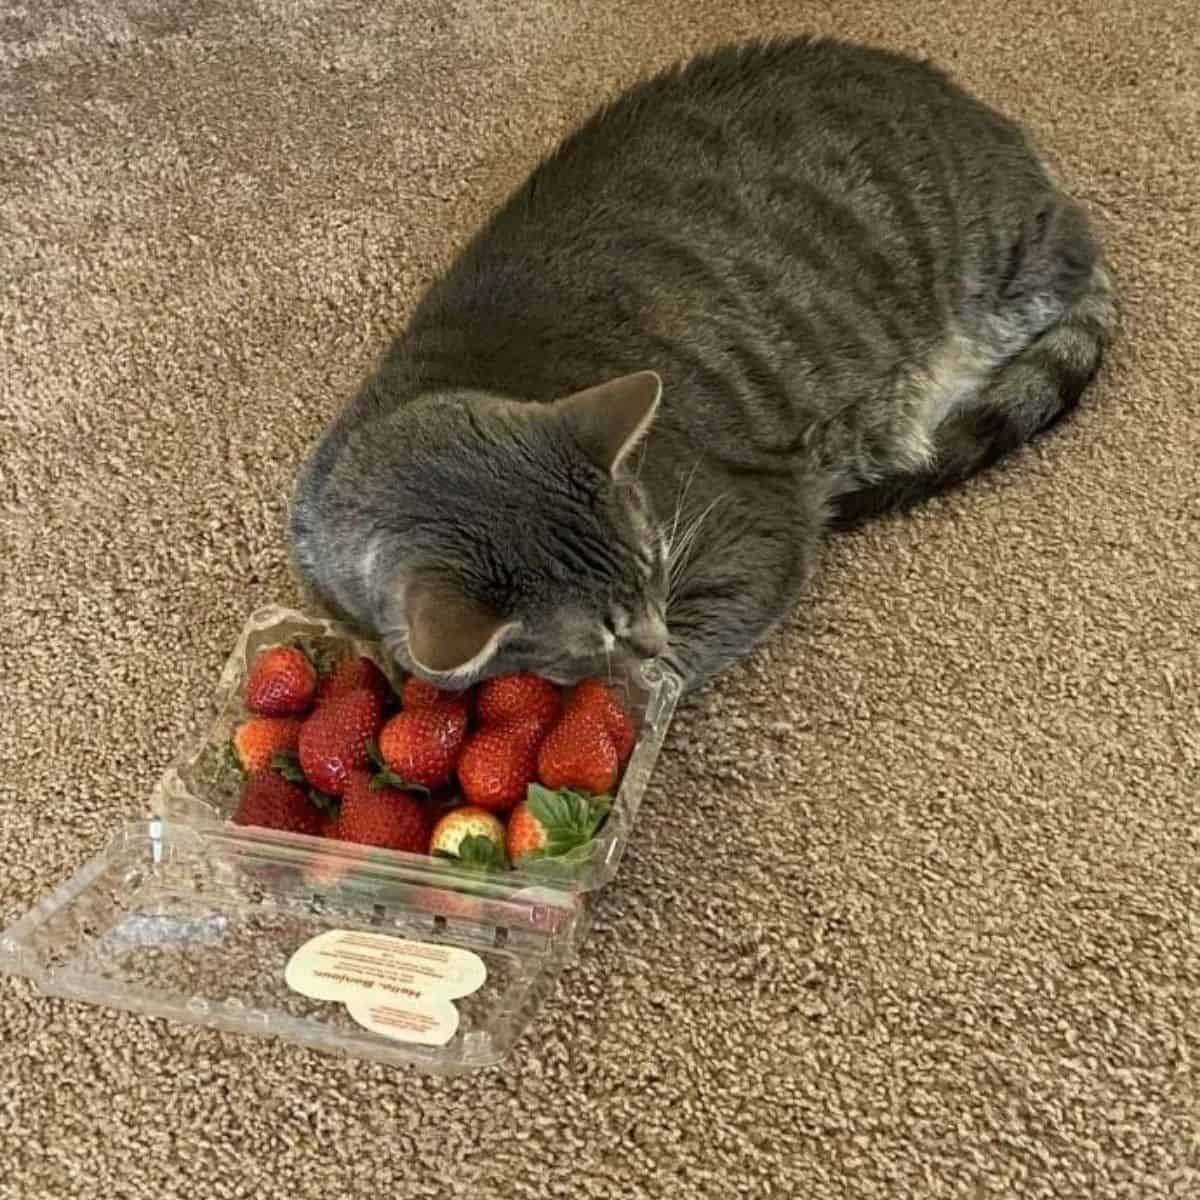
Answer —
1032 391
1043 383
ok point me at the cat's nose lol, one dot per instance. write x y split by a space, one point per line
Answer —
648 637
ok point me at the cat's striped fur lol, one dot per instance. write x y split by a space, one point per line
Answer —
857 284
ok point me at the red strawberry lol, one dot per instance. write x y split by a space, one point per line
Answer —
350 675
550 823
421 745
518 697
532 731
257 741
416 693
460 834
374 814
282 683
578 753
595 696
332 828
273 802
498 764
337 737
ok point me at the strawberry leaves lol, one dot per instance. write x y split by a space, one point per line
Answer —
570 819
385 777
475 850
287 763
479 852
326 803
230 758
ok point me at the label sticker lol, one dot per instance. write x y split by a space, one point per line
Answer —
391 985
344 964
430 1022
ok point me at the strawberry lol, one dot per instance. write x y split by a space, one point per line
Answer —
551 823
498 764
281 683
337 738
594 695
421 745
465 834
578 753
416 693
374 814
518 697
273 802
531 731
351 674
257 741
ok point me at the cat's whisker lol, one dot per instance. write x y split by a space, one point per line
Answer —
680 500
682 553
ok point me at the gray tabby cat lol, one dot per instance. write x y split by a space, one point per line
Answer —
780 288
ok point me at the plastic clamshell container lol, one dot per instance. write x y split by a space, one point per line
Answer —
187 916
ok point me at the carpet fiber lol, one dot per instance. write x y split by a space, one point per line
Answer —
913 909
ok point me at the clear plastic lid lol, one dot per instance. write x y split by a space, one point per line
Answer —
187 916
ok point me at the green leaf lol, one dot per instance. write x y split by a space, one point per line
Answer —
231 759
287 764
578 854
387 778
475 850
570 819
375 755
478 852
324 801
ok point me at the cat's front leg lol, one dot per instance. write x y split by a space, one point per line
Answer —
709 633
740 582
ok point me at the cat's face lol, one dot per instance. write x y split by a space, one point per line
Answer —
547 556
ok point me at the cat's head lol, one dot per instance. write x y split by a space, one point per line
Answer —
528 543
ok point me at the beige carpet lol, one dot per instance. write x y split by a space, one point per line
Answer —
914 909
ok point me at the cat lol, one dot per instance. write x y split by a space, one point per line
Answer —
767 293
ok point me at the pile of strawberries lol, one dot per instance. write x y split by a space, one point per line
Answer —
509 770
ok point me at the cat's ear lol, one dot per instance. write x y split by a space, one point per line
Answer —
607 421
449 633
